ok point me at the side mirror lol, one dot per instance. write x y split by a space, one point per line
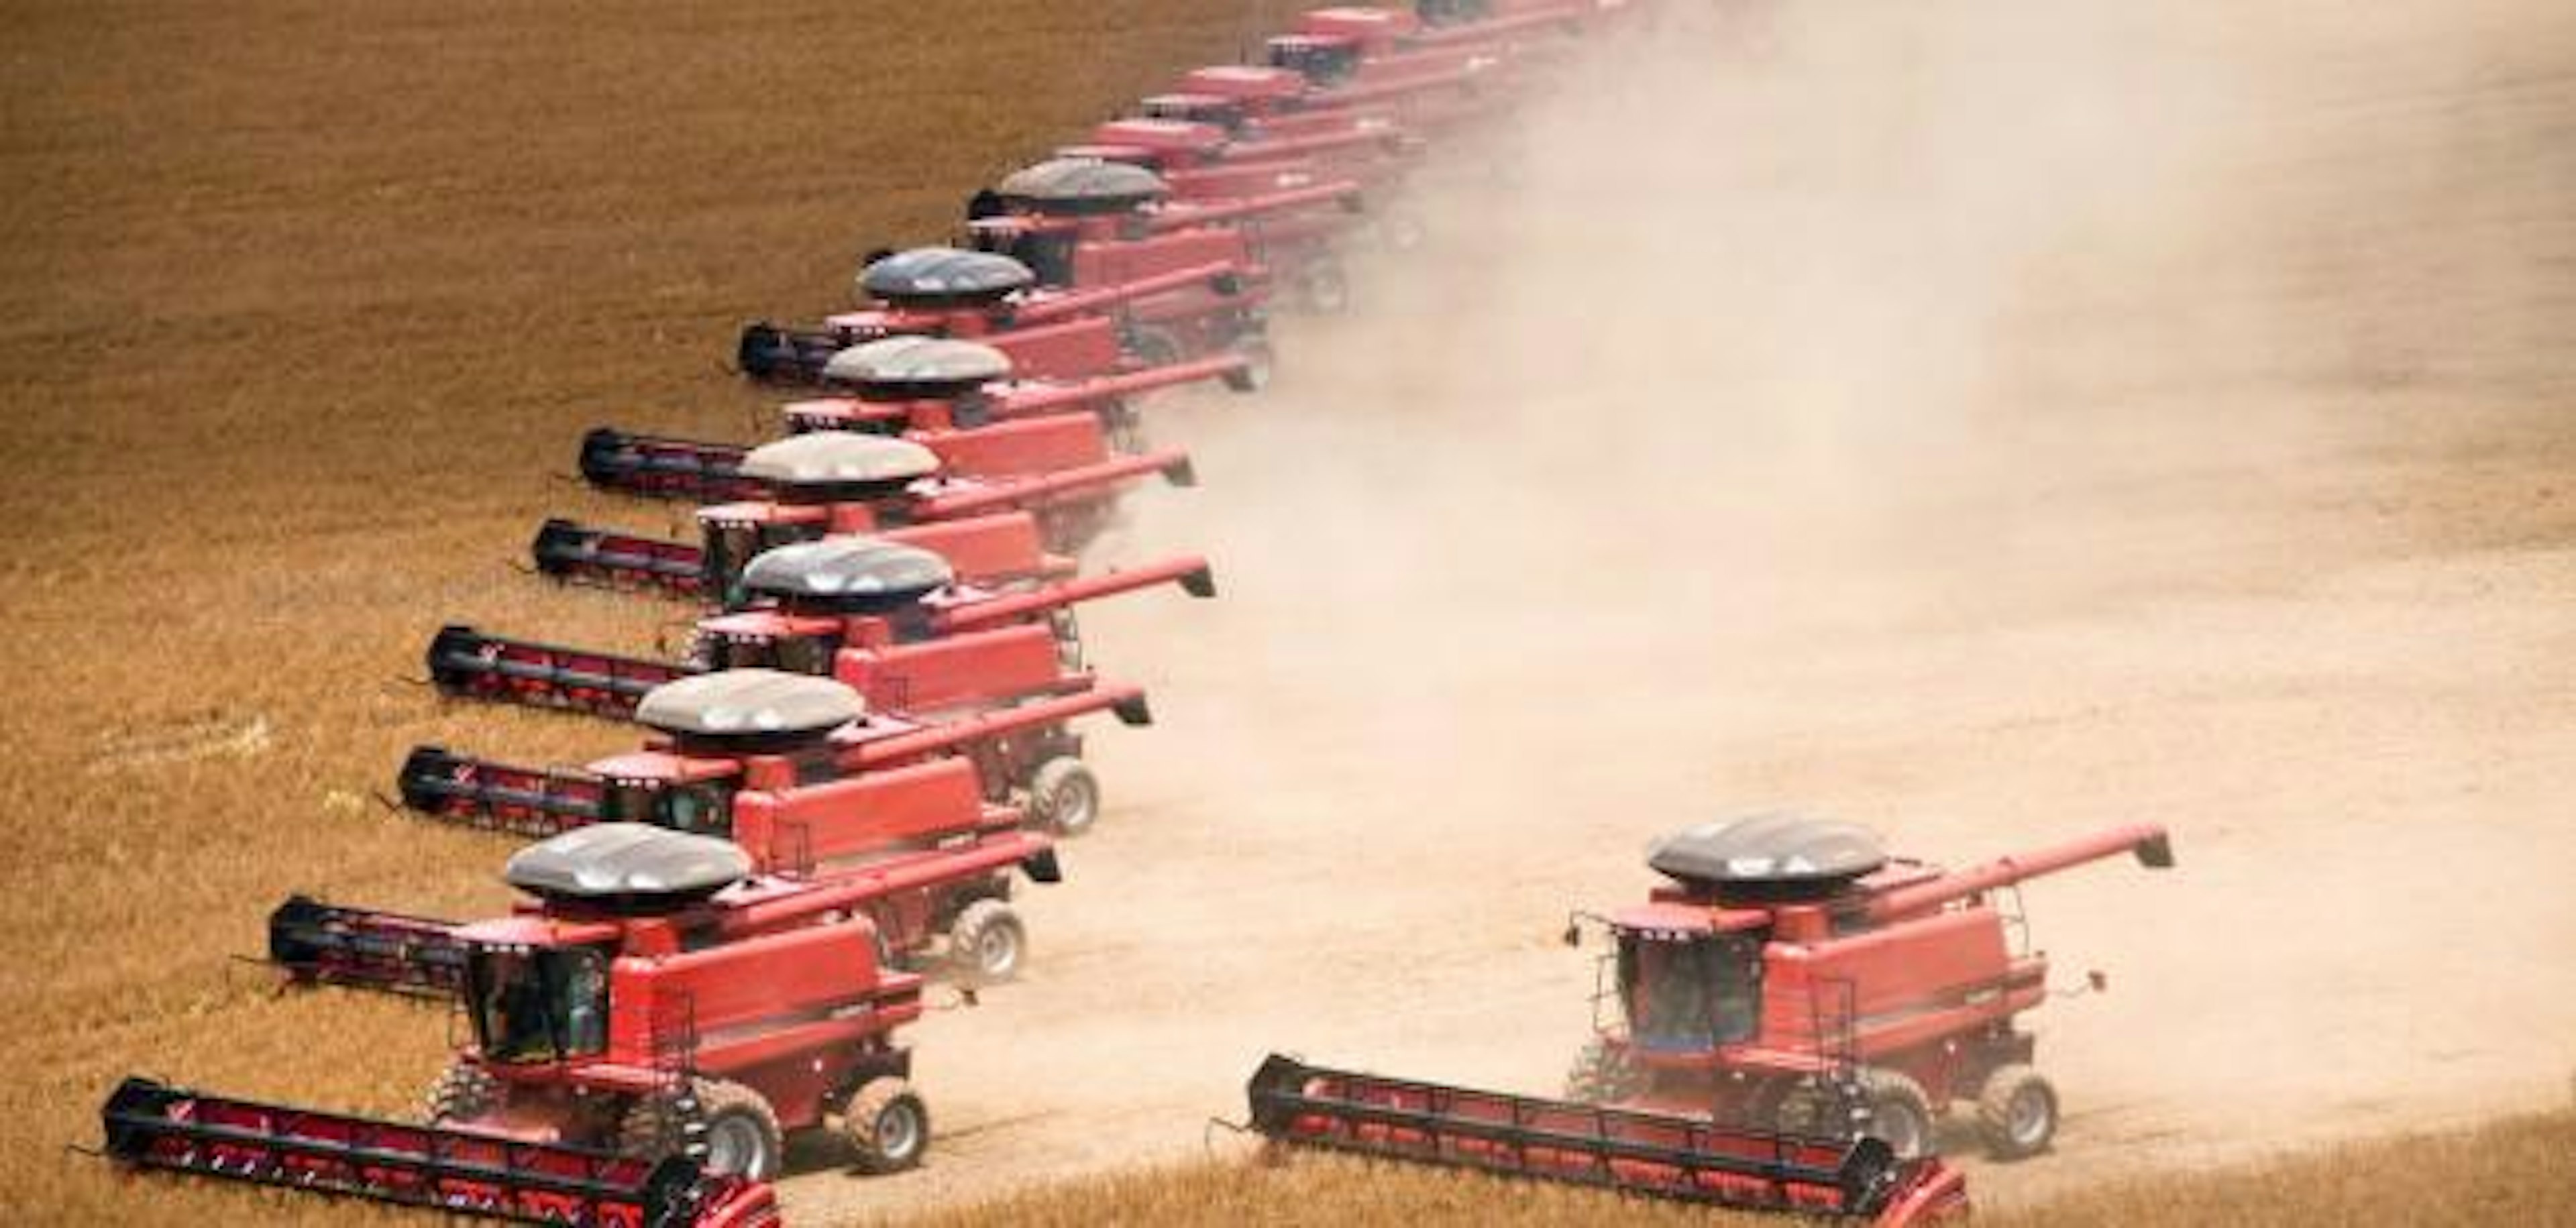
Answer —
1573 935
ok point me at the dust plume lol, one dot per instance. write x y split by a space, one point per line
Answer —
1986 421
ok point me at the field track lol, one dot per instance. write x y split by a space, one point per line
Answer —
1982 425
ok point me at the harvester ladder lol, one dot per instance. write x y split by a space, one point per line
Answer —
1834 1021
1068 638
2007 906
675 1057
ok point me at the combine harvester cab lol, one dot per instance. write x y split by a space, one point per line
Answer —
1647 1154
1049 332
149 1125
1050 484
1794 970
886 618
1099 220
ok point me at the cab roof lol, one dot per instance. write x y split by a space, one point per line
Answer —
1780 852
918 360
1082 184
847 568
944 272
627 862
834 458
735 702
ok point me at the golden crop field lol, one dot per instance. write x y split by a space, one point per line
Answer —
304 304
2251 517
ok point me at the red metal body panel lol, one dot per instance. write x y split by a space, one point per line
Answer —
870 814
973 669
1037 445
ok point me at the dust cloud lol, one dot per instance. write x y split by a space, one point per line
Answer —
1986 421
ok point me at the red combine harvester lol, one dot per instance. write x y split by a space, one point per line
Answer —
825 484
792 770
1077 222
942 393
935 391
1793 1011
1084 219
1026 755
1050 333
151 1125
887 619
1793 959
658 997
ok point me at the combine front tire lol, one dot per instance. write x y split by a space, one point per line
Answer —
742 1130
2016 1112
887 1126
1899 1113
1602 1074
464 1091
1065 796
988 943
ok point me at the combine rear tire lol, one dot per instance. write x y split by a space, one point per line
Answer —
987 943
464 1091
887 1126
2016 1112
1602 1074
1899 1113
1065 796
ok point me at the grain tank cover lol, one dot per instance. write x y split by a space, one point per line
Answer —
629 864
838 458
931 365
736 703
847 569
1081 185
1769 855
944 275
